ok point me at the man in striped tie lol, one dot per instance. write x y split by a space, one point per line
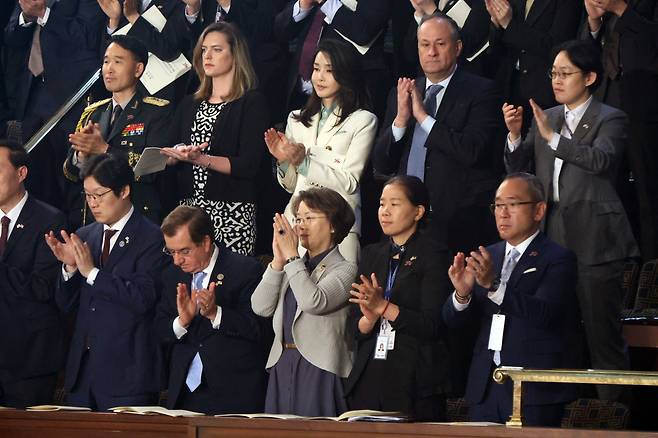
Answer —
522 291
217 360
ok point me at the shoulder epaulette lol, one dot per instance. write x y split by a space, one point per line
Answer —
97 104
86 113
155 101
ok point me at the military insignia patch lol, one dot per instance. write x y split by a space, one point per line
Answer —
133 129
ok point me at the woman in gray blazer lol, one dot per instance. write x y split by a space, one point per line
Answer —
308 300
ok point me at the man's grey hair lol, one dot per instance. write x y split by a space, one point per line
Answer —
454 27
535 187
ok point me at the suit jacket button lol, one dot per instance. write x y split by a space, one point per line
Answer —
93 309
146 208
525 72
200 345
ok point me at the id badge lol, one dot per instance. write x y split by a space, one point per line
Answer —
496 333
381 347
385 329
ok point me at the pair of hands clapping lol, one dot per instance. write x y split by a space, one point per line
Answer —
187 153
201 301
73 252
283 149
514 121
410 103
466 271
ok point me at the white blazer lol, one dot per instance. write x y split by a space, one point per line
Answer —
336 158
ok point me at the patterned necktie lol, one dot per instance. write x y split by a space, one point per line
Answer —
105 255
193 379
310 43
116 113
505 273
418 151
5 233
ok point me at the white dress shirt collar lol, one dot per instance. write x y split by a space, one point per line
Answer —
521 247
14 213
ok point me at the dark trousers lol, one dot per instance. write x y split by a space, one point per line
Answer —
20 392
496 407
85 392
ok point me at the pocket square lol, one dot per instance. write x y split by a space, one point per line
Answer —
529 270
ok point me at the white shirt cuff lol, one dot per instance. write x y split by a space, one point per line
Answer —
42 21
330 7
555 140
91 278
67 275
298 14
498 296
179 330
428 124
218 319
459 306
398 133
192 18
513 144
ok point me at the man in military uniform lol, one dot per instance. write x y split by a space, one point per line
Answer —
122 125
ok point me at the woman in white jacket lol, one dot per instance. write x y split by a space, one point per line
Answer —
327 143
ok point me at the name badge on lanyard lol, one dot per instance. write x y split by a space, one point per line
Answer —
386 337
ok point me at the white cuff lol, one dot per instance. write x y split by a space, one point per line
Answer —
459 306
427 124
513 144
91 278
67 275
298 14
398 133
218 318
330 7
498 296
555 141
179 330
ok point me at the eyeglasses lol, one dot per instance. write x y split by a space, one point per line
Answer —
511 207
181 252
307 219
96 197
563 75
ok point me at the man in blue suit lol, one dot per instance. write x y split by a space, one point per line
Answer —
523 292
109 277
217 362
32 346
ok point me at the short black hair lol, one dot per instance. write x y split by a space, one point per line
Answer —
585 55
134 46
18 156
110 171
415 190
199 224
535 187
455 30
333 205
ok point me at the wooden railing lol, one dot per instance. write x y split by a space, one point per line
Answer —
601 377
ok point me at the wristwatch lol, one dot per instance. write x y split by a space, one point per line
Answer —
494 285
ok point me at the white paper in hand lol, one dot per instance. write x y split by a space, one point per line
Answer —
150 161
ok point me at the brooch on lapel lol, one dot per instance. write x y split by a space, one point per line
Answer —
328 147
130 116
411 261
220 279
533 254
336 160
586 125
124 242
20 226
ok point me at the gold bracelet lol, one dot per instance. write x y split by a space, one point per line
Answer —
461 299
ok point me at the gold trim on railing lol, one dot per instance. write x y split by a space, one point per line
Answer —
604 377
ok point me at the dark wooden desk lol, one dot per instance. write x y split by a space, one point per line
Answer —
23 424
207 427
